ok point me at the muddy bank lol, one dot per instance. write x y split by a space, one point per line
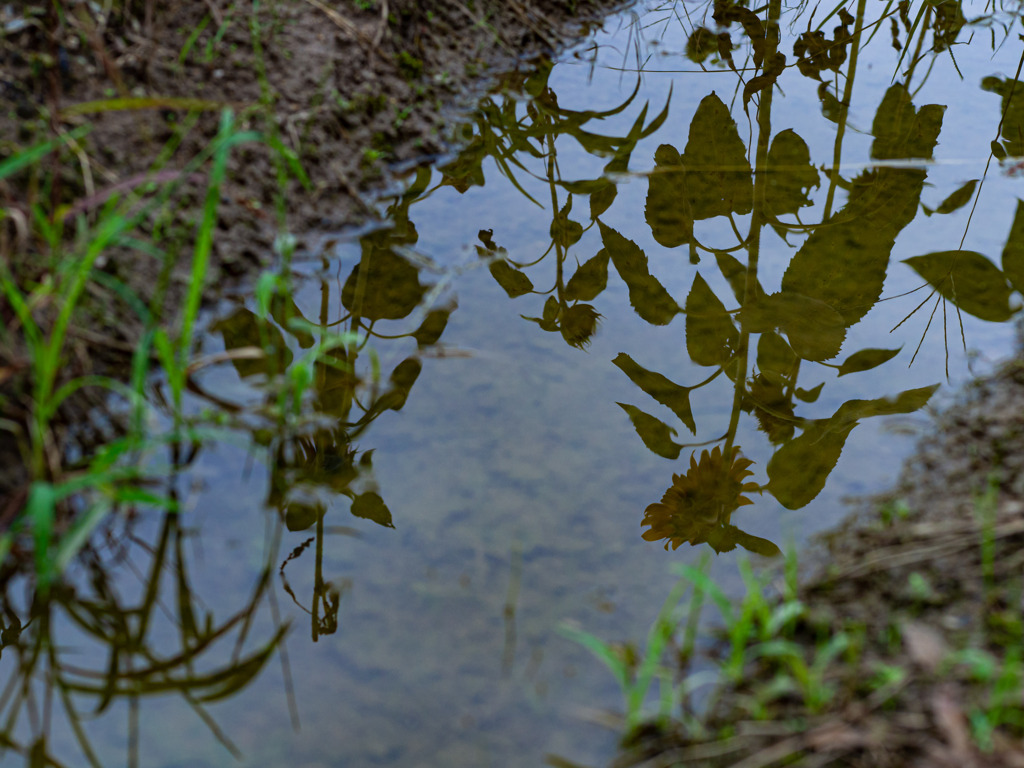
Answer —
130 96
904 643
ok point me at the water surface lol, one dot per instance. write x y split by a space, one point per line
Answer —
673 299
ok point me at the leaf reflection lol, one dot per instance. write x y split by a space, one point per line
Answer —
699 504
767 340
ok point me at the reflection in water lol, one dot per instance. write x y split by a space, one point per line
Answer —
763 341
160 643
749 225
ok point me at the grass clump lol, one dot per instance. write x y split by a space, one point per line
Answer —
855 666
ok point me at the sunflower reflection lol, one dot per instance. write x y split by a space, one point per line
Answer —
698 505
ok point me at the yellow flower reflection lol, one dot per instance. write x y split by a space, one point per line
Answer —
702 500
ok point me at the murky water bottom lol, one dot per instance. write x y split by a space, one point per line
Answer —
514 481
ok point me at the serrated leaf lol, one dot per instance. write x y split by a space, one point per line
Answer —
844 262
866 359
662 389
711 337
799 469
589 280
815 330
514 282
969 280
1013 251
905 402
647 296
718 173
655 433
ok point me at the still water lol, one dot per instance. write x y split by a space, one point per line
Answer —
684 290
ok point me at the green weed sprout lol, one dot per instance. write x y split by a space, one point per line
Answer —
636 679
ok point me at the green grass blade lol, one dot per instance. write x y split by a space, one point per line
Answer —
34 154
601 650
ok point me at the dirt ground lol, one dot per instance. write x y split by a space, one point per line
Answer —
345 90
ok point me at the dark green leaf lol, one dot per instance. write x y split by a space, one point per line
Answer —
905 402
432 327
736 274
370 506
1012 114
766 79
702 43
512 280
243 328
969 280
667 210
900 130
844 263
402 379
866 359
590 279
810 395
1013 252
776 360
955 201
711 337
299 516
551 310
755 544
283 309
564 231
799 469
335 383
647 296
657 435
815 330
662 389
718 175
790 174
383 286
831 107
602 198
